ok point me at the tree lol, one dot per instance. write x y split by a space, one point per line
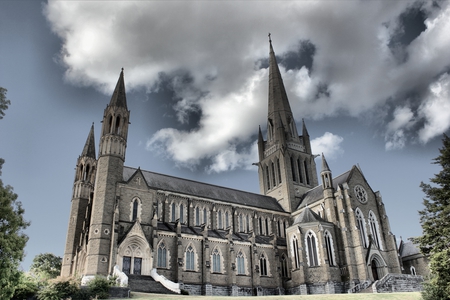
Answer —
12 238
12 224
3 102
46 266
435 222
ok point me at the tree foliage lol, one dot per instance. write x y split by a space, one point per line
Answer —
435 222
4 103
46 266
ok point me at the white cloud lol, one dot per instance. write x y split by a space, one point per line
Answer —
395 133
329 144
436 109
218 43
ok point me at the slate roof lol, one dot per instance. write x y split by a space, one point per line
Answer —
408 249
308 216
199 189
316 193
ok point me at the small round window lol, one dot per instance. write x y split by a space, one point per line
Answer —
360 193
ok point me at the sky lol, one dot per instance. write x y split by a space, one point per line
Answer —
371 79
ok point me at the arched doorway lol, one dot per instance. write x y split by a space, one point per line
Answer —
374 268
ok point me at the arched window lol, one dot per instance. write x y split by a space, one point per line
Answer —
219 220
205 217
279 227
329 247
109 128
181 213
361 223
240 262
247 223
174 218
135 209
295 250
374 229
263 265
299 165
197 216
267 226
268 178
117 127
311 249
306 172
284 268
227 221
86 173
162 255
190 258
274 180
413 270
279 170
216 261
293 169
241 225
260 226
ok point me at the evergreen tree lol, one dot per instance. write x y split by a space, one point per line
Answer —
435 222
46 266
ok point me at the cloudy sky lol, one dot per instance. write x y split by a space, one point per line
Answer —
370 78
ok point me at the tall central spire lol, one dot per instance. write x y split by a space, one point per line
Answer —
278 100
119 97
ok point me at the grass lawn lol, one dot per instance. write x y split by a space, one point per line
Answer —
389 296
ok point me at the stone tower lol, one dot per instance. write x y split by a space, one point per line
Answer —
113 143
83 188
286 165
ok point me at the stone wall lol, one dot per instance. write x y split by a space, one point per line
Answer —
398 283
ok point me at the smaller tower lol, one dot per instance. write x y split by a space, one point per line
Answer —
328 192
327 180
83 188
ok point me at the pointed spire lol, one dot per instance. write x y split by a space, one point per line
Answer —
304 130
278 100
89 147
119 97
325 167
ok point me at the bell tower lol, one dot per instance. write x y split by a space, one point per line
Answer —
83 187
113 143
286 164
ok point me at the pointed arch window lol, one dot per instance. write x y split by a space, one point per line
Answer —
227 221
268 178
374 229
216 261
413 270
205 216
279 227
299 165
162 256
311 249
135 209
181 213
260 226
306 172
117 125
241 225
330 248
267 226
295 250
219 220
279 170
263 265
361 223
247 223
294 178
197 216
110 122
240 262
173 212
190 258
284 268
274 180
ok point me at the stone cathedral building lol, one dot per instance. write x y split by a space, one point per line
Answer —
298 236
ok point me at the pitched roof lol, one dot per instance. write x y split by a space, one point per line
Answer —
409 248
316 193
198 189
308 216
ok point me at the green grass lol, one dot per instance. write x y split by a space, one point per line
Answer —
389 296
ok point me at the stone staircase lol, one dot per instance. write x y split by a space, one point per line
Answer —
146 284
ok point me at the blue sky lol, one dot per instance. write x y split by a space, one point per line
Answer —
370 78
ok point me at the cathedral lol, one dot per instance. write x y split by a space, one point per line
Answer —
298 236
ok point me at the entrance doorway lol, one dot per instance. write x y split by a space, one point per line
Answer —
136 266
374 266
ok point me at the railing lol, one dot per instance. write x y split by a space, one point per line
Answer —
360 286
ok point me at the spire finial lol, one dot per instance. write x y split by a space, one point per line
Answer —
270 40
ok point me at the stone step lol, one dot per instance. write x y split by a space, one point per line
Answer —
146 284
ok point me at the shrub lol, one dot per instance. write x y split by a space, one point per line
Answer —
99 287
26 288
58 290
